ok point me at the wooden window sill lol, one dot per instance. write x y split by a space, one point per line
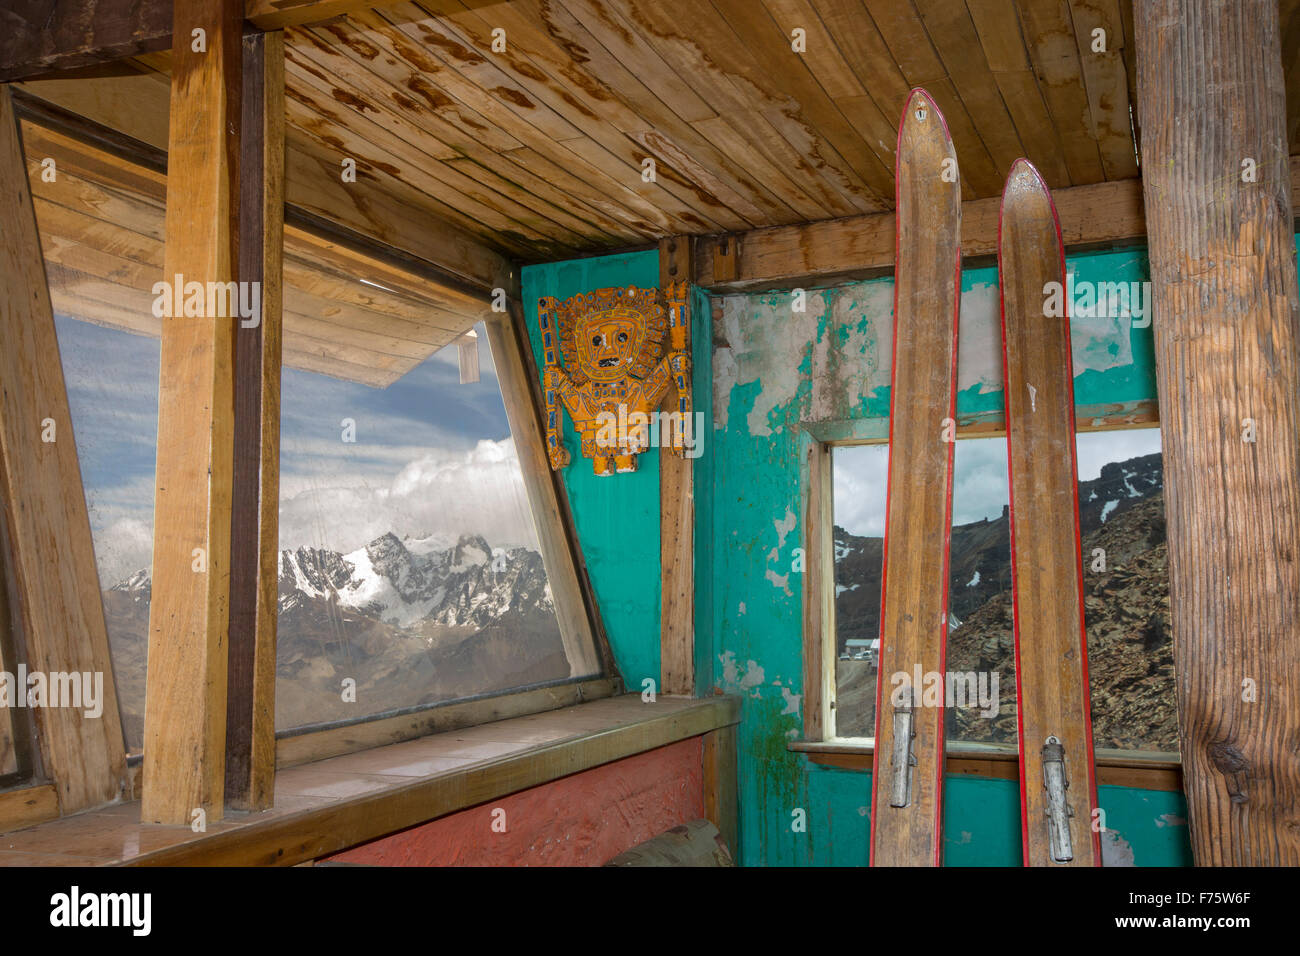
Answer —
1141 769
332 804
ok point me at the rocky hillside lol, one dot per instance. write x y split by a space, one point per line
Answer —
411 621
1126 610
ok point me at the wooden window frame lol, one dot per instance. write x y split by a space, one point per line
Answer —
53 605
583 638
36 798
817 440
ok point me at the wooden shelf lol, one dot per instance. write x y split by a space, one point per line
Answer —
1141 769
332 804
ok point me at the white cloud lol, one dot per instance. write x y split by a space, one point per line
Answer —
442 492
860 476
1099 448
123 548
979 479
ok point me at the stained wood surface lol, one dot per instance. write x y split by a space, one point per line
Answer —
254 533
720 800
41 35
329 805
52 560
301 748
1046 563
185 689
677 515
537 148
1225 318
923 393
28 806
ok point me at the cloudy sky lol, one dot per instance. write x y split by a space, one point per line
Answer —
979 475
431 456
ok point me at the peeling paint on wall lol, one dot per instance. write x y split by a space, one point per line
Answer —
773 369
1115 850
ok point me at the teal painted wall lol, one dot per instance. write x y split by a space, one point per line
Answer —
617 517
763 370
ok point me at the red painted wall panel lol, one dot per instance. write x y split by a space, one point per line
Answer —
583 820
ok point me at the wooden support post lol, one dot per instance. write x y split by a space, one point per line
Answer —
59 611
558 556
677 515
720 785
254 530
185 695
1227 332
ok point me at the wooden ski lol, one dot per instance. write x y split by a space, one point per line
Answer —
1057 780
907 782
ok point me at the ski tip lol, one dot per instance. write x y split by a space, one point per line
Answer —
921 108
1023 174
1024 188
1023 177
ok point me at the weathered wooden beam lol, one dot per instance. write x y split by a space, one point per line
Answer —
59 610
40 36
254 523
185 696
1226 320
677 515
859 246
720 805
276 14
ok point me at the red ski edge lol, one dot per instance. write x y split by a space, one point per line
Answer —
1011 508
889 477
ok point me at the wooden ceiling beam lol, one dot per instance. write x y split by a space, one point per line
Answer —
38 37
42 36
859 246
278 14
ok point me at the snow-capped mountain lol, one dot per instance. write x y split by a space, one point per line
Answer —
138 586
411 621
404 582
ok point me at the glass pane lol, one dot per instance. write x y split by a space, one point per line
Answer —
1126 583
860 475
981 643
410 571
101 229
112 381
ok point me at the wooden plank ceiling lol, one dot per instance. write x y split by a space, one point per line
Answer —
537 150
540 148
